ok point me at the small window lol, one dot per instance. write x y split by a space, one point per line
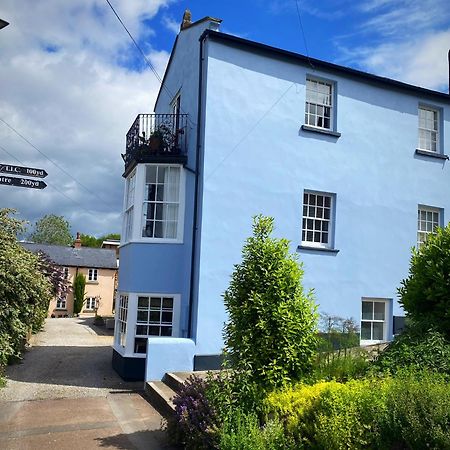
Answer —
91 303
428 129
61 303
317 226
129 206
319 104
373 321
428 219
93 275
66 273
122 314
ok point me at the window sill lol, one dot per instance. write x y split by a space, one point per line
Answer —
91 282
431 154
321 131
60 309
318 249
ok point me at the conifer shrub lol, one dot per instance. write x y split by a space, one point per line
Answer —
270 337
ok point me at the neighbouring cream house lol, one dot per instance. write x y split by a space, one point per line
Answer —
98 265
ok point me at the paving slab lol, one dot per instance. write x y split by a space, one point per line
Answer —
65 395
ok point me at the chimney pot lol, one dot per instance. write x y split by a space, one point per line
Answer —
187 19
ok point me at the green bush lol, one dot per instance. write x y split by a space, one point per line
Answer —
417 412
409 411
417 349
242 431
270 337
24 292
425 294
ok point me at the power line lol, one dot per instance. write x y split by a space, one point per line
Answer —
303 32
51 160
163 86
55 188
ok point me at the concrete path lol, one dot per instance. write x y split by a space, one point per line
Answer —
65 395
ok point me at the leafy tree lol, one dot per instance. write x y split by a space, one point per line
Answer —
25 292
91 241
425 294
52 229
79 285
271 331
54 274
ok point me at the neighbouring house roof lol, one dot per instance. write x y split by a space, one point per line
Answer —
99 258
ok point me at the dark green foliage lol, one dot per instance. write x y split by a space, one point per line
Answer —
24 291
418 349
92 241
417 412
270 337
79 285
195 422
52 229
425 294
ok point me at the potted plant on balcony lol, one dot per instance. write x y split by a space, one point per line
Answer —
161 139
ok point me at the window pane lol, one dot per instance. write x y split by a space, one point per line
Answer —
167 302
142 302
367 310
155 316
166 331
366 330
378 311
141 330
140 345
150 174
378 331
166 317
155 302
153 331
142 316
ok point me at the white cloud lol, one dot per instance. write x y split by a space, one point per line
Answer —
67 86
407 40
171 24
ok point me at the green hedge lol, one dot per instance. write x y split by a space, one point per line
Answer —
410 411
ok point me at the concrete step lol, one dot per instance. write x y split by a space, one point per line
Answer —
160 396
174 380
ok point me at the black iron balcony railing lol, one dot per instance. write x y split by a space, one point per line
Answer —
156 138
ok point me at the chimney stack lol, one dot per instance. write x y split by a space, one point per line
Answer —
187 20
77 243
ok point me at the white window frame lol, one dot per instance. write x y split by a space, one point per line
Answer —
66 273
425 223
129 202
89 306
122 317
176 311
92 275
61 303
429 130
315 215
180 221
312 103
386 302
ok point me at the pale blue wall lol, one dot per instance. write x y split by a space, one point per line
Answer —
257 160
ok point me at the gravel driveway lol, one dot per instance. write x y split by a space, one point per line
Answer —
64 395
71 359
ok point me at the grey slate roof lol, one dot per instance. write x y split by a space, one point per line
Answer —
76 257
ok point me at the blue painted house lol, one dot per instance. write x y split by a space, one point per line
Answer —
352 166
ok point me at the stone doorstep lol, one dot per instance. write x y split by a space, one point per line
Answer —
161 393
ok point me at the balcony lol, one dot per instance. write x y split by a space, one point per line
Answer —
156 138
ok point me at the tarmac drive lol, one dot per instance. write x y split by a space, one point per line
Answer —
64 394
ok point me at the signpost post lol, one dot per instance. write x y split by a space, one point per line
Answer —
20 181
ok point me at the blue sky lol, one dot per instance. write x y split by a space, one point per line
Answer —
72 82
